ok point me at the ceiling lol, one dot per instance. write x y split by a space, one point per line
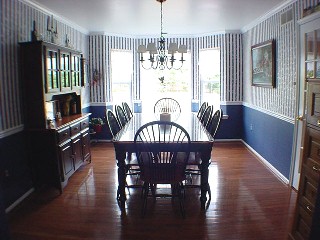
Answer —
142 17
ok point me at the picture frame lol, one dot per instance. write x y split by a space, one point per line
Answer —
263 64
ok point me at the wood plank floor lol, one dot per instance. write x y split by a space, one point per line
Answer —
248 202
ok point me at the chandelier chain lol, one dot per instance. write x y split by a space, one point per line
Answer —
157 56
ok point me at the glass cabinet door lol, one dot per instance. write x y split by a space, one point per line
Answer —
76 71
65 70
312 61
52 70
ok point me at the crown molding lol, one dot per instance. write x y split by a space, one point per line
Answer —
47 11
267 15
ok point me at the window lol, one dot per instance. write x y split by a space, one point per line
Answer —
121 75
156 84
209 69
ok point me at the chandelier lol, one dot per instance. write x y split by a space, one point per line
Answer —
158 59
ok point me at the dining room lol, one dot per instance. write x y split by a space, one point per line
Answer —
66 64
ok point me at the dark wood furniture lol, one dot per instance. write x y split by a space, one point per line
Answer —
307 215
162 150
201 141
52 77
306 224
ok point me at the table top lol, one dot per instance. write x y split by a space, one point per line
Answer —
189 121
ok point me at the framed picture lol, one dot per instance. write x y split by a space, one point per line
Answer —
263 64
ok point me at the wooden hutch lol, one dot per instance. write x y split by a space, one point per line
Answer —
57 132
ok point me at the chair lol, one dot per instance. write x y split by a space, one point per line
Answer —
112 122
214 123
194 161
127 110
162 152
121 116
203 107
131 163
167 105
206 117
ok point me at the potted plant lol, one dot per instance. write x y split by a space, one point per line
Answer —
96 124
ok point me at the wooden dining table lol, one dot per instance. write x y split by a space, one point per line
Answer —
201 142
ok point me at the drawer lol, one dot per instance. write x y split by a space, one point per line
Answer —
75 128
308 188
302 228
314 169
84 123
315 149
63 134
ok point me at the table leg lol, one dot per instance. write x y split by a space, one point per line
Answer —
205 157
121 193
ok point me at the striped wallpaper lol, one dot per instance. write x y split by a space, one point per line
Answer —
16 25
230 45
17 17
280 100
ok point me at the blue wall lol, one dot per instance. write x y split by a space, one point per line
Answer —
271 137
231 128
14 168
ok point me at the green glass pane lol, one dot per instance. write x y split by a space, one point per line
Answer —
310 70
318 43
318 70
67 80
55 80
49 80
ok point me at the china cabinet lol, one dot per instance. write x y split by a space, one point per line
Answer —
57 131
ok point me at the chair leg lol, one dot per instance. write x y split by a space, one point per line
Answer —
145 190
180 190
209 192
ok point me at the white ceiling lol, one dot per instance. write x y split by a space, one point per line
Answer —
142 17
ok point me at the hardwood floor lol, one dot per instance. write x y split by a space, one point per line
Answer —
248 202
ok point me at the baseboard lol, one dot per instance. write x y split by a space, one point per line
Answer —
19 200
267 164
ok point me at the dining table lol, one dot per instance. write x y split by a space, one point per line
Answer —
201 142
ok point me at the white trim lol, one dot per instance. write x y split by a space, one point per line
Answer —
11 131
101 104
267 15
227 140
309 18
102 33
267 164
19 200
225 103
45 10
273 114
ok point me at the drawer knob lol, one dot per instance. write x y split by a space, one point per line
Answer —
309 208
318 122
315 168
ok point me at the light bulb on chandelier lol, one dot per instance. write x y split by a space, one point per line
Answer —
157 56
